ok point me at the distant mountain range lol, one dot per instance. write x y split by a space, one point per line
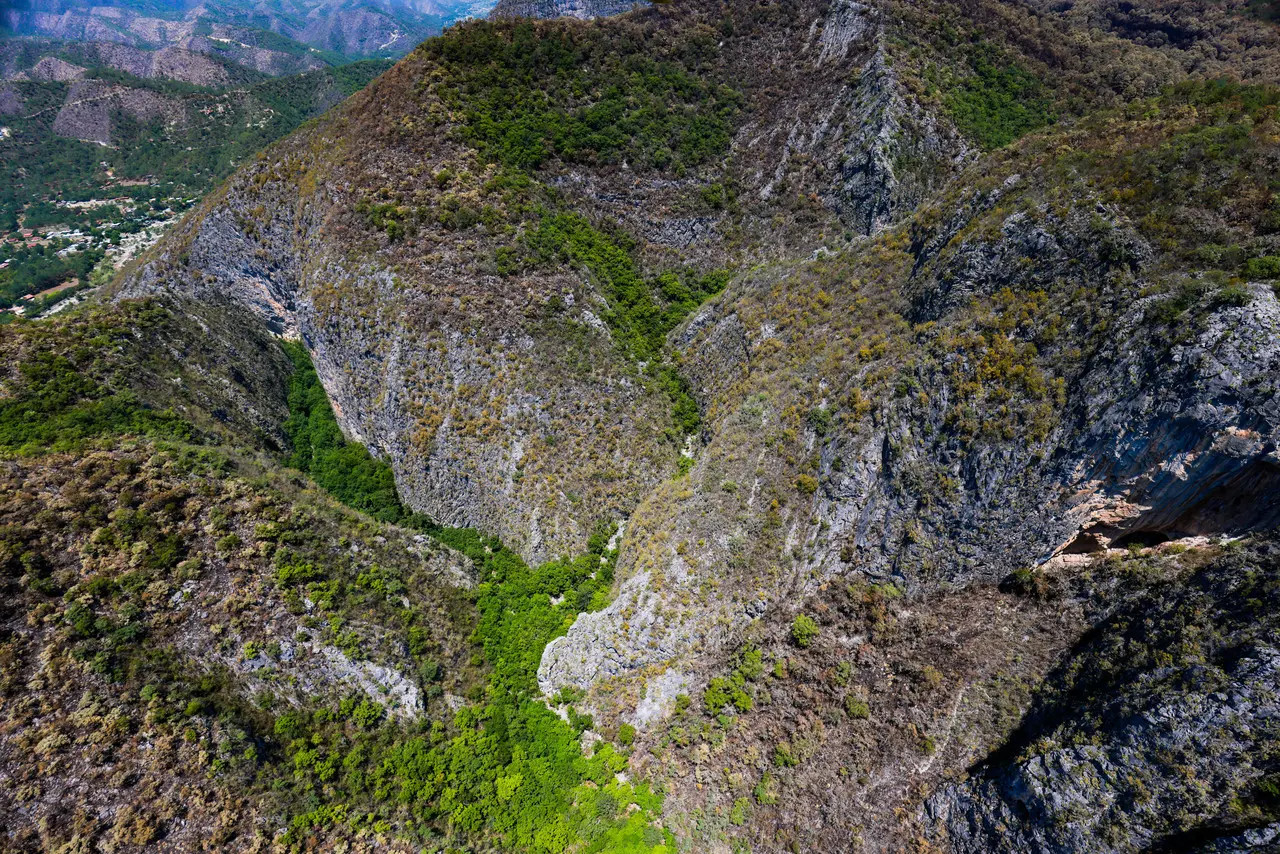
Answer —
157 102
268 37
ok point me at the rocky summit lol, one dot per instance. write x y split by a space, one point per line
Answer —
700 426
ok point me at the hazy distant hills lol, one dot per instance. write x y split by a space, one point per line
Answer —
159 102
272 37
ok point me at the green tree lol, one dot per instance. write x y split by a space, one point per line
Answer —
804 630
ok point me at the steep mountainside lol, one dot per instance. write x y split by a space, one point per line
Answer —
904 374
201 649
157 620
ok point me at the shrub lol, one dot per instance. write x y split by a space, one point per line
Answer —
766 791
784 756
999 101
1026 582
1234 296
752 666
804 630
820 420
291 725
856 708
641 312
738 814
1267 267
522 91
366 715
59 407
717 695
430 671
292 570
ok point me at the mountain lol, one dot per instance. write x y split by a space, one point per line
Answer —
288 35
99 162
179 93
722 426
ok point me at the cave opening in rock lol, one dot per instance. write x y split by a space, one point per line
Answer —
1244 499
1144 539
1086 542
1247 501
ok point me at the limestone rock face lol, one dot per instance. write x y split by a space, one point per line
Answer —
1145 439
170 63
453 373
487 420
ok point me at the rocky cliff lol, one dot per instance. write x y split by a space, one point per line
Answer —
394 210
954 417
1164 746
173 63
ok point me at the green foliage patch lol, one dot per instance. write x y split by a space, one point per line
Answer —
529 92
1214 156
804 631
58 407
515 769
998 101
511 769
345 469
641 312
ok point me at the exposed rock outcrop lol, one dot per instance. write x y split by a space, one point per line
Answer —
391 329
484 421
1130 752
932 369
1176 437
171 63
235 31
